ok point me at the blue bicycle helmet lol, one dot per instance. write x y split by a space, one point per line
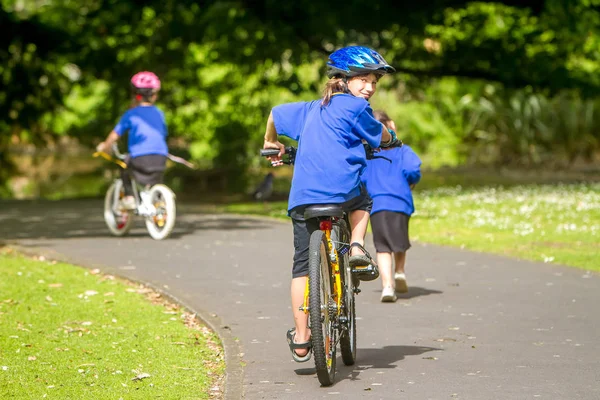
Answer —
357 60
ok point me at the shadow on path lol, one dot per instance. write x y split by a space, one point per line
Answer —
382 358
84 219
413 291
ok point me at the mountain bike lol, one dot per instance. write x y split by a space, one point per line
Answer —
330 291
156 204
332 284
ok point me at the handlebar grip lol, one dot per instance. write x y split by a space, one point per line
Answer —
269 152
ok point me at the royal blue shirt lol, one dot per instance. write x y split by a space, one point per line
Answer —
330 157
147 131
388 183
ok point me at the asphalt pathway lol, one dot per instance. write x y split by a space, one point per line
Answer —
472 326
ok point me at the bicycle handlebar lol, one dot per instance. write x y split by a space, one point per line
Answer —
117 153
289 150
269 152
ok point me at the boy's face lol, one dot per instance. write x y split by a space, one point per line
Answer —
363 85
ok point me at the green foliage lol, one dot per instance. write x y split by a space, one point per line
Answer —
65 68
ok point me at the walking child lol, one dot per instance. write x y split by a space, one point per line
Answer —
390 186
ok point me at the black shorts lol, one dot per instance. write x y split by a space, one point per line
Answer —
390 231
303 229
147 170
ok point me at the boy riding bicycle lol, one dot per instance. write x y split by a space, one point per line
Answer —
147 133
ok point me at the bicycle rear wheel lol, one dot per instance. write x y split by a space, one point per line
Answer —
161 224
117 220
341 237
321 310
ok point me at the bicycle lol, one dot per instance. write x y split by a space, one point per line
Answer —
329 296
155 204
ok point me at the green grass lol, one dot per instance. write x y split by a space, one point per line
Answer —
552 223
68 333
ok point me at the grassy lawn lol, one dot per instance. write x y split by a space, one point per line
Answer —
553 223
70 333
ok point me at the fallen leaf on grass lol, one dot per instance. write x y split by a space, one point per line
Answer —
141 376
32 358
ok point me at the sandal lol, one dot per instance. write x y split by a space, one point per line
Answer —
363 266
291 334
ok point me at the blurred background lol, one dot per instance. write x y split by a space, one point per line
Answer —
484 90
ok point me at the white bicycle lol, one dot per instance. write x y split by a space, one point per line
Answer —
155 204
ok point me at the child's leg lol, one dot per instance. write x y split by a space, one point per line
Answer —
127 185
399 275
302 232
359 220
400 259
300 317
384 261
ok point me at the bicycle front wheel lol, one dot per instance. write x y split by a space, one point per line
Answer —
117 220
162 222
321 309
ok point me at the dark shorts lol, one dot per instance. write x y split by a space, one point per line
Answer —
147 170
303 229
390 231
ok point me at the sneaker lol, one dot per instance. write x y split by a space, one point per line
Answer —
400 279
388 295
127 203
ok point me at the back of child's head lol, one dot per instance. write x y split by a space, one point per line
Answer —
145 85
382 117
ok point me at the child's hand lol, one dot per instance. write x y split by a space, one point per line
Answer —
101 147
276 161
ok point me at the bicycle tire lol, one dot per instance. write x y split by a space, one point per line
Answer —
119 223
341 234
323 333
161 225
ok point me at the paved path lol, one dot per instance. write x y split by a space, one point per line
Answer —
473 326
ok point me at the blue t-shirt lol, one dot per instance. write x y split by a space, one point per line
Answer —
330 157
388 182
147 131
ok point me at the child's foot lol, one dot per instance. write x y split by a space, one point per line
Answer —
401 285
301 352
361 263
127 203
388 295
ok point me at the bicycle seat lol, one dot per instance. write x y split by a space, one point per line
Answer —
323 210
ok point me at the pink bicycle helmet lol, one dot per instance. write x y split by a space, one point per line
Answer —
145 83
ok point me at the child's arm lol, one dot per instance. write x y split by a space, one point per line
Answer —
272 142
411 164
107 144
